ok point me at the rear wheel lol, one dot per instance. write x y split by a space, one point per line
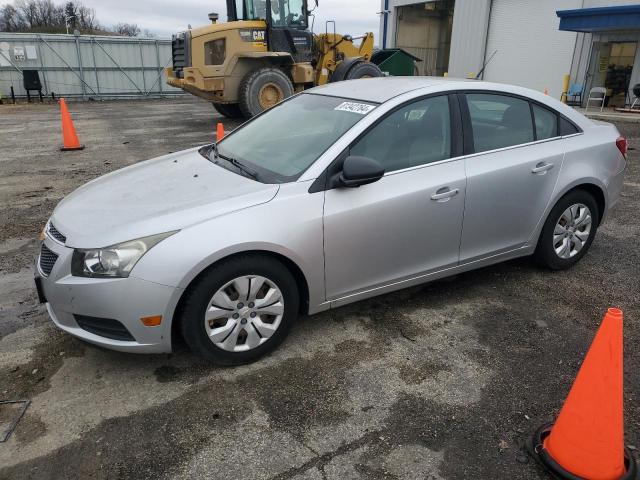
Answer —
569 231
240 310
262 89
363 70
229 110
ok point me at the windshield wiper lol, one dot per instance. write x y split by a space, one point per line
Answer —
236 163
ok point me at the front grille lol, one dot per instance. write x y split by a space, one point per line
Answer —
180 53
177 52
104 327
47 260
53 231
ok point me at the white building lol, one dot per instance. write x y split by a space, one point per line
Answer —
524 42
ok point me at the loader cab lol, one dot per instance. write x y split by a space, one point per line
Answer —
287 24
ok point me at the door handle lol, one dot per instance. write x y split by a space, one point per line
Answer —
444 194
542 168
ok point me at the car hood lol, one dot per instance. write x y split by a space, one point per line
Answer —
160 195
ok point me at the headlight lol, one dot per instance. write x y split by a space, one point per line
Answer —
116 261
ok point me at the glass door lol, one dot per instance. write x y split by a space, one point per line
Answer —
610 66
619 71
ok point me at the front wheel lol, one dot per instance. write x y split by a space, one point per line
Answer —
262 89
569 231
240 310
364 70
229 110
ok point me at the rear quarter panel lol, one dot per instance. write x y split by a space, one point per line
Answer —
591 157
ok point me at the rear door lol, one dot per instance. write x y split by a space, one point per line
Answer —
512 173
409 222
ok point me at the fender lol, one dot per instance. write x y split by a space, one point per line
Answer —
257 59
252 247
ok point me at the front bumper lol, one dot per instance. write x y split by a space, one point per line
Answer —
125 300
192 81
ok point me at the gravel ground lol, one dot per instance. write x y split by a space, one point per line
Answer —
442 381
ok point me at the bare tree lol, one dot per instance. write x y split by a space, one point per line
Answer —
46 16
9 19
32 15
47 13
87 18
26 12
127 29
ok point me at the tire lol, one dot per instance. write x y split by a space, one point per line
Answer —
546 254
229 326
229 110
262 89
363 70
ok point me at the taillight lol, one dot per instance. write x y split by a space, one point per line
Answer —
622 145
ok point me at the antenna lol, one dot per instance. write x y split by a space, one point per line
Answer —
485 65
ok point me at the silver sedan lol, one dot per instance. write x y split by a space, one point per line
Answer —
340 193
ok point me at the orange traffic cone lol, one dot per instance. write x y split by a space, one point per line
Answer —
69 136
587 440
220 131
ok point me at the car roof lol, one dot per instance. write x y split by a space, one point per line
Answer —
384 89
380 90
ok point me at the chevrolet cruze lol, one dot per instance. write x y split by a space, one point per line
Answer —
337 194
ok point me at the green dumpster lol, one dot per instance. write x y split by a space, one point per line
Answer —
396 62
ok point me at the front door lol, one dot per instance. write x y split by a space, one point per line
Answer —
409 222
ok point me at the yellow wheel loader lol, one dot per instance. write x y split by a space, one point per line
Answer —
265 53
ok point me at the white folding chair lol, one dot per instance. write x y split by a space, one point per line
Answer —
599 94
636 93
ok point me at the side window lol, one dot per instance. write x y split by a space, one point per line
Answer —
416 134
567 128
240 9
499 121
546 122
288 13
215 52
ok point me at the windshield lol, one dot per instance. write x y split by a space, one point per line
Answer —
279 145
283 13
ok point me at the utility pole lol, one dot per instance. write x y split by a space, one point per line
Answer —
66 21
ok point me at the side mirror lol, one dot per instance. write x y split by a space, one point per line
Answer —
358 171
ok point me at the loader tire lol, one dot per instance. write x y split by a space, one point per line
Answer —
262 89
363 70
229 110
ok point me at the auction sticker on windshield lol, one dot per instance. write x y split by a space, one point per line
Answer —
354 107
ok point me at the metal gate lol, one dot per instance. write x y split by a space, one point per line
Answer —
86 66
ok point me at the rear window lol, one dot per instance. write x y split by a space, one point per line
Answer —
567 127
546 122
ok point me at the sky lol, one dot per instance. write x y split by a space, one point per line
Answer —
353 17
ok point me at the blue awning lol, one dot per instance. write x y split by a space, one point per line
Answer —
599 19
